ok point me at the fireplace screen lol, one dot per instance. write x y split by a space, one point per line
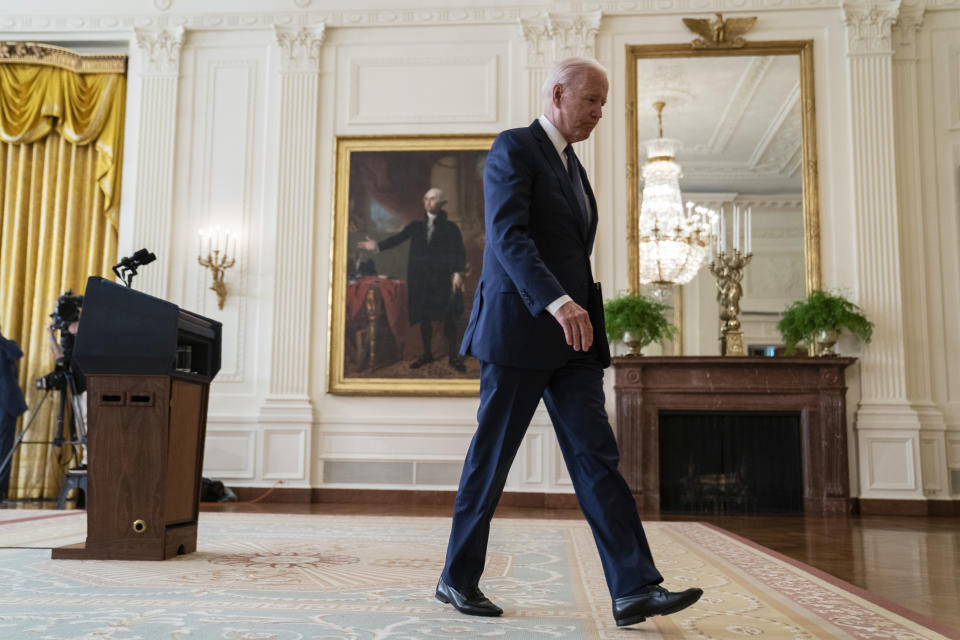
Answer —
730 462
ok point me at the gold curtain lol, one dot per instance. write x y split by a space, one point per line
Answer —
60 155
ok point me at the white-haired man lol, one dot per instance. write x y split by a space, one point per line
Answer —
536 328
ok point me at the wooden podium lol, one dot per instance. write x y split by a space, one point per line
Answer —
147 411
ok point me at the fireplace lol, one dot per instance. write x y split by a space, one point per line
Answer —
730 462
649 389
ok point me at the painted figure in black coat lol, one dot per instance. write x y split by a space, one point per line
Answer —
434 276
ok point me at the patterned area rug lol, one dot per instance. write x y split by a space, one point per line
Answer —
293 577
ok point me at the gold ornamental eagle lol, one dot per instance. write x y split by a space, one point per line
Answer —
719 33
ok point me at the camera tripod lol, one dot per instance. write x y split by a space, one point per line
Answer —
77 427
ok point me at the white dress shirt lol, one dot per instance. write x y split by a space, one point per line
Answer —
559 143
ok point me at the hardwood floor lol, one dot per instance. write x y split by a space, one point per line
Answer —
911 561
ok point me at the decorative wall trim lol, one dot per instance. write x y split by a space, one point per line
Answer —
533 468
289 377
908 24
939 508
574 34
245 110
161 49
869 26
400 17
53 56
481 70
767 201
536 33
887 448
291 444
300 47
221 437
157 68
891 453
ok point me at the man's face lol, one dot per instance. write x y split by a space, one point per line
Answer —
431 201
580 105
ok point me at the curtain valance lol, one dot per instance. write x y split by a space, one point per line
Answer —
45 88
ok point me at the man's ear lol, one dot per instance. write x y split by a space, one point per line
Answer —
556 93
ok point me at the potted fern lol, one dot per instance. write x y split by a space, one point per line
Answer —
637 321
818 321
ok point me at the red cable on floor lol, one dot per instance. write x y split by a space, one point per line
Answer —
255 500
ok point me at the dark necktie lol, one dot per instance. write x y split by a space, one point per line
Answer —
573 172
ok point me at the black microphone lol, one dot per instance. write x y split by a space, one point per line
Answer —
127 267
139 259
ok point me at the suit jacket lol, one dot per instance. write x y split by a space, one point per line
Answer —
537 249
11 397
430 266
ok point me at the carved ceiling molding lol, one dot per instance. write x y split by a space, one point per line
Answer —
387 17
161 49
870 26
740 99
781 143
301 47
696 171
789 201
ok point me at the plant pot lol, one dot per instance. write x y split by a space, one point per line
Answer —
825 342
634 343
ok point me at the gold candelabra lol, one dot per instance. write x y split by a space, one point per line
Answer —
216 244
728 268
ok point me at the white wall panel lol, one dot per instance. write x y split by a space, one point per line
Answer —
931 455
953 451
533 459
220 161
230 452
891 463
285 454
434 89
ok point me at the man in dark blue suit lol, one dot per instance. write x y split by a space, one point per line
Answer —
532 331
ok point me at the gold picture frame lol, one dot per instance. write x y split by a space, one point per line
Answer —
803 51
375 338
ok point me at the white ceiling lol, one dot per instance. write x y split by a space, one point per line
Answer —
737 119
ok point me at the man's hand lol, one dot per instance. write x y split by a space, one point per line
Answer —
576 325
457 282
368 244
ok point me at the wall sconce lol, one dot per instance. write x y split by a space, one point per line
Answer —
217 252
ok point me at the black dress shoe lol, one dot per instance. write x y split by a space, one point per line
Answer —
426 358
472 602
652 600
457 363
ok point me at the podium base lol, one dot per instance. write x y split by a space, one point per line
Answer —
177 540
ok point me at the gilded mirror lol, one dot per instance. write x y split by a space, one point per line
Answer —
744 119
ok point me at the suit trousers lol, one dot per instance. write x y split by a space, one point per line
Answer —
574 398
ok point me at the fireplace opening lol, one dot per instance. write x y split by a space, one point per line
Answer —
730 462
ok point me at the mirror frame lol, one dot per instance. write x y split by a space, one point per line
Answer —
811 190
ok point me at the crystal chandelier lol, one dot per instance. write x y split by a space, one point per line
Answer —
674 241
